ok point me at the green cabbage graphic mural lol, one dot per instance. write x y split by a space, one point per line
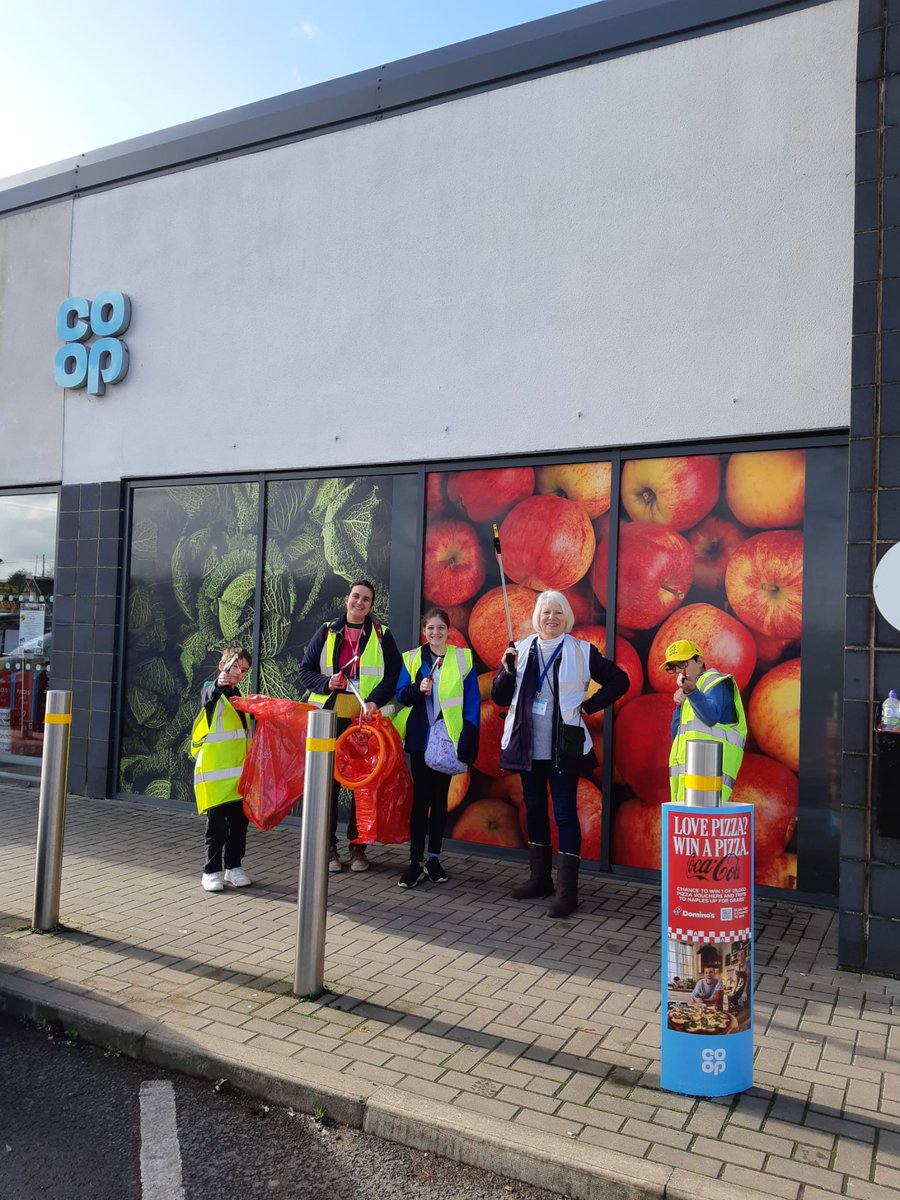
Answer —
193 589
320 536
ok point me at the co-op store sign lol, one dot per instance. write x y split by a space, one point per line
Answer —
105 360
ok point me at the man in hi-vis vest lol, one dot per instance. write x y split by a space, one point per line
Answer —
708 708
220 740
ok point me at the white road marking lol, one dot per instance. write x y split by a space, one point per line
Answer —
160 1152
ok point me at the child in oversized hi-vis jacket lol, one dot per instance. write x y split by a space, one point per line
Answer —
220 740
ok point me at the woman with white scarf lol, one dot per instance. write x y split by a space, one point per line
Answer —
545 682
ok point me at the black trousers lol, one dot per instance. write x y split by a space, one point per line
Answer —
429 807
226 830
563 787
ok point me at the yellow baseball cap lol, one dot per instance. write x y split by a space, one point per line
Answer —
681 651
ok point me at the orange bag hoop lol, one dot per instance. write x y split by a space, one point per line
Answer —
382 758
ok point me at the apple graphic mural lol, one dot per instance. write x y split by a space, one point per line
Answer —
726 644
547 543
459 787
766 489
637 835
677 492
587 483
583 603
764 583
626 657
459 617
505 786
454 562
778 872
768 650
485 679
773 791
490 822
713 542
656 568
488 495
435 501
773 713
487 622
641 744
488 760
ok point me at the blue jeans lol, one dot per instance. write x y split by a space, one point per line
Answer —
564 791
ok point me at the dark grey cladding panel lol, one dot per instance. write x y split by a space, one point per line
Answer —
552 43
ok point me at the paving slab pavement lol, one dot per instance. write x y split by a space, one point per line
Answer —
457 1020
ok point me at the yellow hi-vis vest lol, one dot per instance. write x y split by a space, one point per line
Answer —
371 669
220 748
691 728
457 665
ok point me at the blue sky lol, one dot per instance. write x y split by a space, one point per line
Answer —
76 76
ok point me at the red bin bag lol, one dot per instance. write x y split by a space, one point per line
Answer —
272 780
383 807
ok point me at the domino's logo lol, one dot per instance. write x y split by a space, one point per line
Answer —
712 1062
105 360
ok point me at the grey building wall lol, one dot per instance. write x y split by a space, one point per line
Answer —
870 863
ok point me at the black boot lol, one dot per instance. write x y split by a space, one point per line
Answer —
540 881
566 886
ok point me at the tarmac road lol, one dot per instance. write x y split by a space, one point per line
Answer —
76 1121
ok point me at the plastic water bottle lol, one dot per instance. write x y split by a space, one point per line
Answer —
890 711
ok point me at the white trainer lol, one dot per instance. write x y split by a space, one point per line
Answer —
212 882
237 877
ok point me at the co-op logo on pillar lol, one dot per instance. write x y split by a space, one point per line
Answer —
92 364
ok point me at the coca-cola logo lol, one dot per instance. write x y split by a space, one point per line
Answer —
721 870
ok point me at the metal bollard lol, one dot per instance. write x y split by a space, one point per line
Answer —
312 891
52 811
703 774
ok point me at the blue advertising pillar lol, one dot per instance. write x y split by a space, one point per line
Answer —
707 949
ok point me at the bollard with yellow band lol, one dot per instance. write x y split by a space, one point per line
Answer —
312 890
703 774
52 810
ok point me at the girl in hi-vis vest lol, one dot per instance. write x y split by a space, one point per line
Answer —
437 680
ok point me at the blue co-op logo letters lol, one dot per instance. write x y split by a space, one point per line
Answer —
105 360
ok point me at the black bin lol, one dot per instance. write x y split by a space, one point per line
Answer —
887 781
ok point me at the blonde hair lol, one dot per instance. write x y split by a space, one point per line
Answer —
552 598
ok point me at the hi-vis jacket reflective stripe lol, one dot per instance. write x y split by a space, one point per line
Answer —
220 748
371 668
457 665
573 679
692 728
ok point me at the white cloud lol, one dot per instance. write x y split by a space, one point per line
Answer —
305 29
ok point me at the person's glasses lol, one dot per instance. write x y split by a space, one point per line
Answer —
670 667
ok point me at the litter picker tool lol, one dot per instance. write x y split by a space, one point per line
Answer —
506 657
358 694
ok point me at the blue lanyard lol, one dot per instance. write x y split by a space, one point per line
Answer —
542 675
